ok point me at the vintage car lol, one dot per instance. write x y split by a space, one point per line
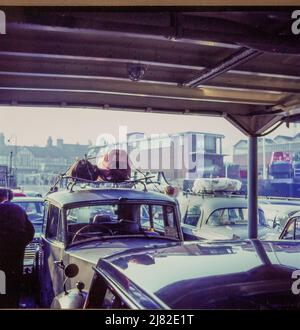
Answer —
31 193
34 207
84 225
291 230
193 275
217 217
278 212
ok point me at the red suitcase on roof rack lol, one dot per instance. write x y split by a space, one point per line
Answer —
115 166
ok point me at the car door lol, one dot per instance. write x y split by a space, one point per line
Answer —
292 230
51 256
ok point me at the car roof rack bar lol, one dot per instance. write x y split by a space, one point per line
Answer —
69 182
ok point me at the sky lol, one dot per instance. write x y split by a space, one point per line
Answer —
33 126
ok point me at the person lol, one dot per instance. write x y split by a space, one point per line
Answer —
16 231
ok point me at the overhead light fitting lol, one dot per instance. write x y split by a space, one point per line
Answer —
136 72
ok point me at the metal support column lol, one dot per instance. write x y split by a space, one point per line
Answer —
252 187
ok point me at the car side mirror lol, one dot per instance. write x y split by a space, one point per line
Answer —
276 224
71 271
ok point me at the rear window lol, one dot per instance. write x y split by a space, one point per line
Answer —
232 216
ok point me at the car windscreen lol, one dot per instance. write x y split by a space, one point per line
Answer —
233 216
34 211
120 219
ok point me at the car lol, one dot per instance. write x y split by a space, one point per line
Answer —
82 225
18 193
34 207
30 193
250 274
217 217
291 230
277 212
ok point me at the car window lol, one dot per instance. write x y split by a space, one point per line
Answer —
171 222
31 207
101 295
113 301
45 216
86 214
115 219
297 229
216 218
289 231
159 218
192 215
53 223
145 216
34 211
232 216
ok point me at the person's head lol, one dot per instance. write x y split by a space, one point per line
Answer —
5 195
125 212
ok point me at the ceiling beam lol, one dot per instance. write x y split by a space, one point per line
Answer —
141 89
242 56
193 29
101 53
233 79
59 97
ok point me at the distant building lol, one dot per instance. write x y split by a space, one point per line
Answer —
265 148
34 164
181 156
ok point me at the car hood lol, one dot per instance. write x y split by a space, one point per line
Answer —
95 250
210 270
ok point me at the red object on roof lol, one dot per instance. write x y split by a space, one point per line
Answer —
280 156
115 166
18 193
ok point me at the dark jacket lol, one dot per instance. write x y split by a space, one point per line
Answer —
15 227
16 231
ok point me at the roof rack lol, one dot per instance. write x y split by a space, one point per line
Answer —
69 182
223 193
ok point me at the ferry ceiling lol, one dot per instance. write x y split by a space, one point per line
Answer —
241 65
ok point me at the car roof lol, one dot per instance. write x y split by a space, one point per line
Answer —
203 266
224 202
210 204
297 214
28 199
282 209
64 198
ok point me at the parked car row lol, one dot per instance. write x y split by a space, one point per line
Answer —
124 248
21 193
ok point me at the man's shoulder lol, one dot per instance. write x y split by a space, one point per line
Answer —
12 206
